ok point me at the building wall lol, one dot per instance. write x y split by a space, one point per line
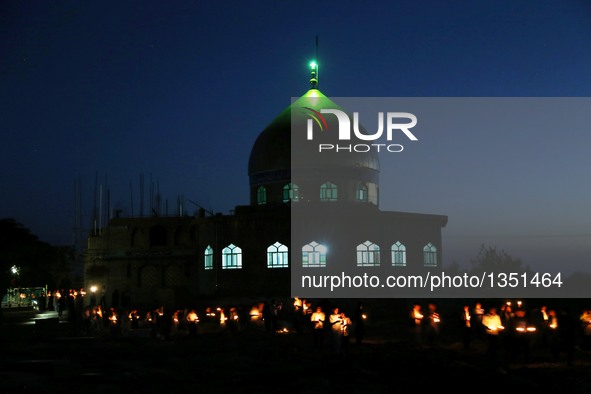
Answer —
161 260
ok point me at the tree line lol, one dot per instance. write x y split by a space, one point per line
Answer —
27 261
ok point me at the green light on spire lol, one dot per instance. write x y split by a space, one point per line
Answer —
314 74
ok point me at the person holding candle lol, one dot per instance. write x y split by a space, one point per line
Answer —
416 323
433 324
336 321
466 326
318 318
493 325
345 331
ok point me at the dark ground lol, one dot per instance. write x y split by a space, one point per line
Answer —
48 358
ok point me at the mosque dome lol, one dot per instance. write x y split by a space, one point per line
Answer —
281 154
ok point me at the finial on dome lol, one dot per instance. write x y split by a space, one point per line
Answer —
314 67
314 73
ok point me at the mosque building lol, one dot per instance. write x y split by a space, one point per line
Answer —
307 213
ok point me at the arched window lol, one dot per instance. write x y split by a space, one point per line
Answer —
261 195
368 255
277 256
328 192
398 255
361 193
208 258
231 257
430 255
291 192
314 255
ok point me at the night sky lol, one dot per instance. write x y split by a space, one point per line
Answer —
104 94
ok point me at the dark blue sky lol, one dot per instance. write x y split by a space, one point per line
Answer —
179 91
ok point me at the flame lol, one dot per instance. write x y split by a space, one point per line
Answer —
193 317
254 313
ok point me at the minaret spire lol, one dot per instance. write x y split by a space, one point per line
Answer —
314 69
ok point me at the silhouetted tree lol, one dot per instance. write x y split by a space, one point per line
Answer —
489 259
39 263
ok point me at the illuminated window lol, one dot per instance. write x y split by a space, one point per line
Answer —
208 258
261 195
231 257
398 255
368 255
314 255
291 192
430 255
361 193
328 192
277 256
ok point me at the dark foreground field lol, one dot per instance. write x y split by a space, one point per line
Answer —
252 360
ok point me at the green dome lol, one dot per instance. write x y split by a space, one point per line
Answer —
271 159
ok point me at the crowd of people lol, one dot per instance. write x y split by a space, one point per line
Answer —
330 322
92 315
510 329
